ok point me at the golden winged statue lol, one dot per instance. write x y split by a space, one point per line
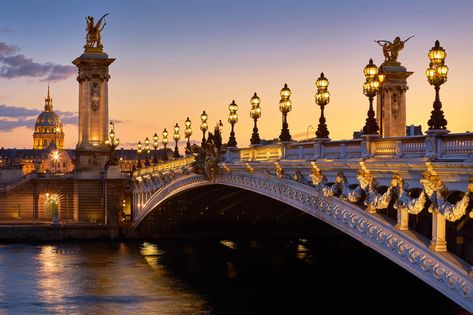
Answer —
391 49
93 38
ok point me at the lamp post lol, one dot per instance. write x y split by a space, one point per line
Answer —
113 142
322 98
255 113
147 150
218 135
155 145
138 151
381 77
188 134
203 125
232 119
56 157
437 75
370 89
176 137
165 143
285 106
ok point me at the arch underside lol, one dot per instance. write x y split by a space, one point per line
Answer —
442 271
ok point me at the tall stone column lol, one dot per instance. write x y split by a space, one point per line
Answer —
93 79
391 101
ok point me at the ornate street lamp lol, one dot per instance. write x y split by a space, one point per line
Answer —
232 119
203 126
381 77
113 142
147 150
155 145
165 143
188 134
138 151
322 98
176 138
370 89
285 106
255 113
218 135
437 75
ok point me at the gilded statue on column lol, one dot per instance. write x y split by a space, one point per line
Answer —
93 37
391 49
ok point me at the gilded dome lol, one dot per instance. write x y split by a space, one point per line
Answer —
48 128
48 118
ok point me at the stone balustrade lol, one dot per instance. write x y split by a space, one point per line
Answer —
450 146
164 166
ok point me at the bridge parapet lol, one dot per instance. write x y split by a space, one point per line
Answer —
164 166
456 147
450 146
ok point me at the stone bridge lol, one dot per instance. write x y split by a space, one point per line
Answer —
371 189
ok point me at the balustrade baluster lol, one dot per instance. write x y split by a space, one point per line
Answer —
402 219
438 243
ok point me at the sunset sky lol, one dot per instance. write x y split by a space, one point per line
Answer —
177 58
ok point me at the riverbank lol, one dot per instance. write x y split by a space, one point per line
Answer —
49 232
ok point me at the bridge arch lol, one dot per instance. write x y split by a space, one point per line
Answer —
407 249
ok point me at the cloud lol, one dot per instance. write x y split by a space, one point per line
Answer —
6 50
12 111
61 72
68 118
14 65
9 125
12 117
7 29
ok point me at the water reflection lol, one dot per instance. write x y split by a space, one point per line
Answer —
90 279
202 277
229 244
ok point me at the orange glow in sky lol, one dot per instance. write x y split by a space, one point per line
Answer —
202 55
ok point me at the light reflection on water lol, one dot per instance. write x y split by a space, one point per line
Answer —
201 277
90 279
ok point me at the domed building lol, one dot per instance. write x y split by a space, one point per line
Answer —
48 128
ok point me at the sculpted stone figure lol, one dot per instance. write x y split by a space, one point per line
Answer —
342 187
373 200
436 192
206 159
404 200
318 179
391 49
94 39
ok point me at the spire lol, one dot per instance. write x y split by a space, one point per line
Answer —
48 102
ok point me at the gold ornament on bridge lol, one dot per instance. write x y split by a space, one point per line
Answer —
93 38
436 192
206 159
278 170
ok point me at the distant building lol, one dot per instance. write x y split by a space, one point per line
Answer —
48 129
411 130
48 154
357 134
414 130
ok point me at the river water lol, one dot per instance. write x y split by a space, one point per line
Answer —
209 276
